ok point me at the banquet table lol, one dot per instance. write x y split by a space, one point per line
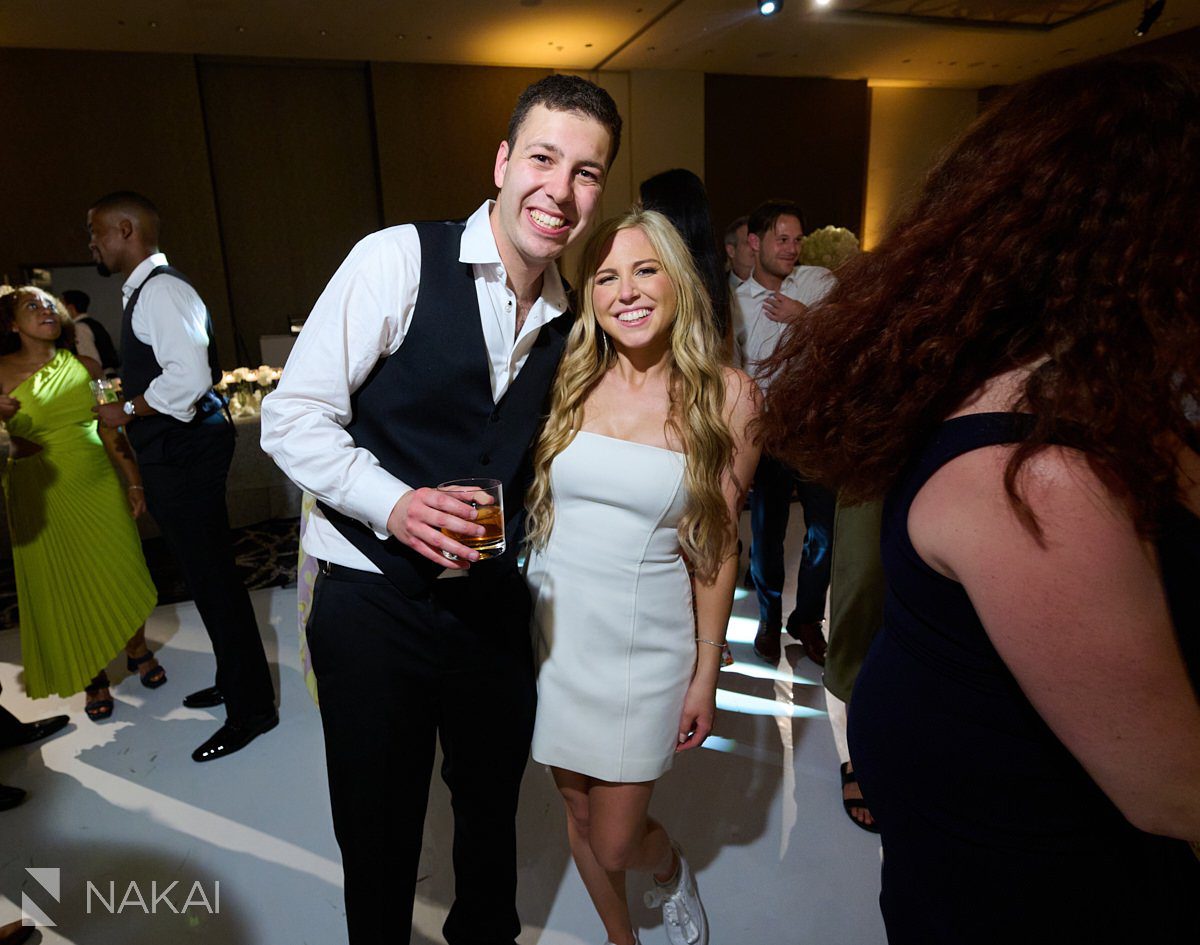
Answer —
257 490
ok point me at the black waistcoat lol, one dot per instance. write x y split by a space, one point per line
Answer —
139 367
426 412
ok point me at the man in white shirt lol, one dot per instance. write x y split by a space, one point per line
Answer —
184 443
778 292
429 357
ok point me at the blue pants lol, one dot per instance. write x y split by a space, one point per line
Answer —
769 508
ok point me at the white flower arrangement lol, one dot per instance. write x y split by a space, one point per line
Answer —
245 387
829 246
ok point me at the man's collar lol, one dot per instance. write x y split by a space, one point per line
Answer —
141 271
478 247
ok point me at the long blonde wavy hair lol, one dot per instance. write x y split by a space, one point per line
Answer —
696 387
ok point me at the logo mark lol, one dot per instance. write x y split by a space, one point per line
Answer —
48 878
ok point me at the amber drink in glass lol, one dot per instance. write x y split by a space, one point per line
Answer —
486 496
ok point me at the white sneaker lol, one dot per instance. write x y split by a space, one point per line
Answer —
683 913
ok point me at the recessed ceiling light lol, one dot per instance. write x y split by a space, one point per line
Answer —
769 7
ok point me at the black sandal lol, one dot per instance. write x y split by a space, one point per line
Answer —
851 804
98 710
151 680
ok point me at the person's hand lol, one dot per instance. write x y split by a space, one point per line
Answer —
418 518
696 719
112 416
8 406
783 308
137 501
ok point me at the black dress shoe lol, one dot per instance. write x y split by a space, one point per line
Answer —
34 731
811 639
234 736
10 796
204 698
767 644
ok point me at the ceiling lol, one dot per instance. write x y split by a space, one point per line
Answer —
971 43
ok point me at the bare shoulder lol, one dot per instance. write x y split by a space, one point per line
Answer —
963 517
92 365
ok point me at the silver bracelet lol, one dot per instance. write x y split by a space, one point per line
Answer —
719 646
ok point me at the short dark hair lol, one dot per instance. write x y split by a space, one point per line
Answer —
766 215
569 93
76 297
131 202
731 230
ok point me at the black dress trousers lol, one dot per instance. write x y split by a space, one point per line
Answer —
184 472
394 674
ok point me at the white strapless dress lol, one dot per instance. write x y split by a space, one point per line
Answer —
613 618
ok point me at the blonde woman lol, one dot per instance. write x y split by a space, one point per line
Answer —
639 476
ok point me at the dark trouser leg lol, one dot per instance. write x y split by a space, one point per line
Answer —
391 673
486 727
769 507
855 594
379 715
813 579
185 492
10 726
487 724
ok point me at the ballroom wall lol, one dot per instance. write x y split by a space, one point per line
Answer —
909 129
267 171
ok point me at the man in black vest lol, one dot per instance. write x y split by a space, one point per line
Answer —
184 444
428 358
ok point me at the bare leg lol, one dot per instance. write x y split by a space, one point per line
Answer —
137 648
609 834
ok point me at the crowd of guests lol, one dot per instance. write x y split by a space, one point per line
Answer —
994 412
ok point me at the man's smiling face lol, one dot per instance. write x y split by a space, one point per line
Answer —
550 183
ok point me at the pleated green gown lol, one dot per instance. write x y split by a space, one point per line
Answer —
82 583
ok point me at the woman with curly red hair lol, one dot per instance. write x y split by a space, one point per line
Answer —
1012 370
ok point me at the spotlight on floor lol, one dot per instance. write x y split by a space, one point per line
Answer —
769 7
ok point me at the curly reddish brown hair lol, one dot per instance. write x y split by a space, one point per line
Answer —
1058 233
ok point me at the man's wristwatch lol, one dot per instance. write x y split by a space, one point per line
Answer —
129 408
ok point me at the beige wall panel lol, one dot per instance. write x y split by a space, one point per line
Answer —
438 128
909 130
294 173
667 119
82 124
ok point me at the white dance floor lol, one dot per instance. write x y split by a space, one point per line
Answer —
118 811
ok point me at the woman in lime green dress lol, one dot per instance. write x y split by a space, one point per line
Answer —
82 586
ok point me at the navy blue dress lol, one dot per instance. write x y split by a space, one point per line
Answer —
992 831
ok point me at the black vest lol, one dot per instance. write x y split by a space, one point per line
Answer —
139 367
427 414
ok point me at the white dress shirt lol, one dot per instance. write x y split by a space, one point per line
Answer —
360 318
170 317
85 341
755 335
